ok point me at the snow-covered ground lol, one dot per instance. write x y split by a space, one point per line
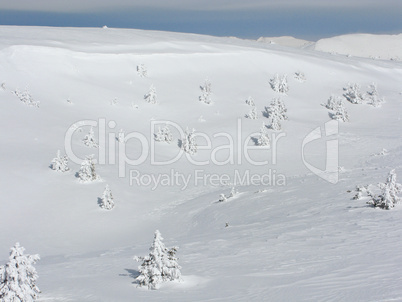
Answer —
288 235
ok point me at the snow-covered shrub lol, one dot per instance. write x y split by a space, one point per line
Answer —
142 71
389 193
107 199
250 101
222 197
163 134
188 143
151 96
373 97
18 277
340 113
233 192
113 102
299 76
353 93
279 84
89 139
26 98
60 163
252 114
87 171
159 266
263 137
275 123
120 136
332 102
206 92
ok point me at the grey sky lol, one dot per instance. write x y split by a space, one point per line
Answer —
309 19
205 5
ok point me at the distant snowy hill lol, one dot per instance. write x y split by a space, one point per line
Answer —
286 41
291 232
383 47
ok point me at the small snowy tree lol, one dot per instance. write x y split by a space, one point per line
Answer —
299 76
120 136
189 144
263 138
151 96
222 198
279 84
87 171
159 266
163 135
373 97
60 163
107 199
250 101
233 192
206 92
89 139
340 113
353 94
275 122
142 71
389 197
18 277
252 114
332 102
26 98
274 82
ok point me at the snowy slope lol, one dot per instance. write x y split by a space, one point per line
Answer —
303 240
384 47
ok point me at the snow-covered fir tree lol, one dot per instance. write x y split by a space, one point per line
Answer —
279 84
340 113
142 71
206 92
159 266
252 113
276 111
263 137
373 97
250 101
353 93
389 197
89 139
26 97
332 102
275 121
163 134
60 163
87 171
274 82
151 96
188 143
299 76
107 199
18 277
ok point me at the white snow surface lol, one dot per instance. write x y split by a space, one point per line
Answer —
306 240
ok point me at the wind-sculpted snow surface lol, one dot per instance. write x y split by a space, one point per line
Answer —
290 231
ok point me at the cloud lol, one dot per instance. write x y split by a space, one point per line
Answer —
76 6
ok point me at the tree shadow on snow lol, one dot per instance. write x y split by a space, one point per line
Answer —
255 140
179 143
132 273
100 202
